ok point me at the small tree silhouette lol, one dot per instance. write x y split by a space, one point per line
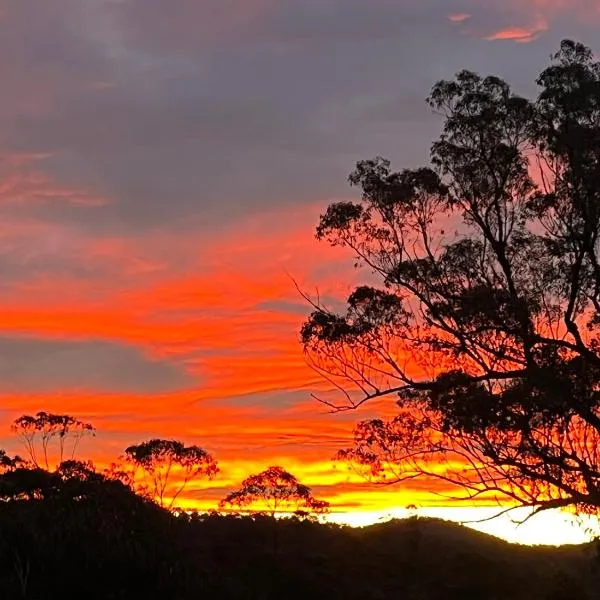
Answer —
40 432
8 463
275 490
158 465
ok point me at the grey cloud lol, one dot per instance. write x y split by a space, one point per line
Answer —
284 306
213 113
38 365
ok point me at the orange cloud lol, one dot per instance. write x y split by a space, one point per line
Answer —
223 308
218 304
519 34
528 20
230 317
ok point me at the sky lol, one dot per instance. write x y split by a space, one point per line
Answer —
162 169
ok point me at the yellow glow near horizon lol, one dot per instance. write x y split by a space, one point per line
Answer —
552 527
548 528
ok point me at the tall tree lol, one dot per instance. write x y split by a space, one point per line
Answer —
163 468
275 490
47 437
485 320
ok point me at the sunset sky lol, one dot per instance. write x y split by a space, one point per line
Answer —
163 166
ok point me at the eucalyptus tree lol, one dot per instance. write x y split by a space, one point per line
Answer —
164 468
275 490
50 438
480 314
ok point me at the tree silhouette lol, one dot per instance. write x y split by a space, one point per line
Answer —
43 431
72 479
486 322
166 466
72 531
8 463
275 490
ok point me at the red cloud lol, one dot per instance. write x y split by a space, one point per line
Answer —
226 309
528 20
519 34
230 315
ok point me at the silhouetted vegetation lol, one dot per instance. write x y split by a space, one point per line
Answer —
75 534
163 468
485 325
275 490
45 434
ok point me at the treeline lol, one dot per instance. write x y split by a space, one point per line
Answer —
95 539
158 470
68 530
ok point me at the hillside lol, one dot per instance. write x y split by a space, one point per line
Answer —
111 544
424 558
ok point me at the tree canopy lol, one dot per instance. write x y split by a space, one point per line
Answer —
484 318
47 436
275 490
166 467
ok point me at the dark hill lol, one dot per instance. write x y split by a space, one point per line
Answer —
409 559
100 542
448 560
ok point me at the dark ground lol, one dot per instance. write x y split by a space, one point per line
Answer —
100 541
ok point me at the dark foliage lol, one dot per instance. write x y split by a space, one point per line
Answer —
485 325
74 534
48 436
162 468
275 490
82 536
